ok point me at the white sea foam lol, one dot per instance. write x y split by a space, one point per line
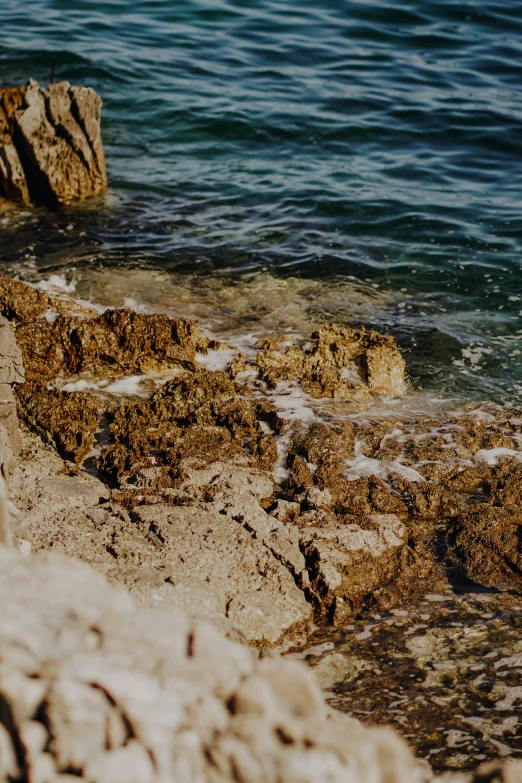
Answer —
51 316
217 359
56 281
280 473
362 466
130 385
133 304
491 456
80 386
293 403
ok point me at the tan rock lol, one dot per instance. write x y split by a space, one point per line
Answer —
50 144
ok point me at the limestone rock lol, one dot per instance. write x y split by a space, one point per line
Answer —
50 144
194 705
11 373
349 562
214 565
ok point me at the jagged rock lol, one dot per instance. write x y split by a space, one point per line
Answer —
191 705
117 341
69 420
51 150
13 182
339 362
487 543
347 563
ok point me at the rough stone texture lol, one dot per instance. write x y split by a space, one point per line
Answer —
348 563
117 341
339 362
11 373
22 302
93 689
68 420
51 150
13 182
207 547
212 564
487 543
197 415
203 436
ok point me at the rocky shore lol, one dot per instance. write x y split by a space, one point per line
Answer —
170 463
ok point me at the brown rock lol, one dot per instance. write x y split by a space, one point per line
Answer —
115 342
487 543
13 182
69 420
347 563
340 363
50 144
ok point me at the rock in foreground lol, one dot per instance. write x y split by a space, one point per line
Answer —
51 150
92 688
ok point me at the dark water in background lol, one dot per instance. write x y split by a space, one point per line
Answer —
379 140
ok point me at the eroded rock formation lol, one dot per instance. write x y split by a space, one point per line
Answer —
51 150
186 514
91 689
311 521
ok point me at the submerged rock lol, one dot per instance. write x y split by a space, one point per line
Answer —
51 150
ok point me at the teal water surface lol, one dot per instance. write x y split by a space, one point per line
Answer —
342 139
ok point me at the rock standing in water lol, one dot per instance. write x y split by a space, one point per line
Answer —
51 149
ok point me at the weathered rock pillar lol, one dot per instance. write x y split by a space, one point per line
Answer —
11 372
51 149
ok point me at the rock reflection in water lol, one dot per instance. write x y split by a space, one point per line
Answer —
446 673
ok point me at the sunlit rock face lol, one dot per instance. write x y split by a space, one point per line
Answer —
51 150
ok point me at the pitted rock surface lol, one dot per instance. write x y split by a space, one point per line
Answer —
369 510
51 150
92 689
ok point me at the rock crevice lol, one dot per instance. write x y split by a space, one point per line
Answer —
51 149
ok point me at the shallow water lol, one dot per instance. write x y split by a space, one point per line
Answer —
445 672
362 142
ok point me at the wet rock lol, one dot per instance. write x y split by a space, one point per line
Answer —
68 420
348 562
487 543
51 150
338 362
506 488
115 342
326 445
21 302
198 416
